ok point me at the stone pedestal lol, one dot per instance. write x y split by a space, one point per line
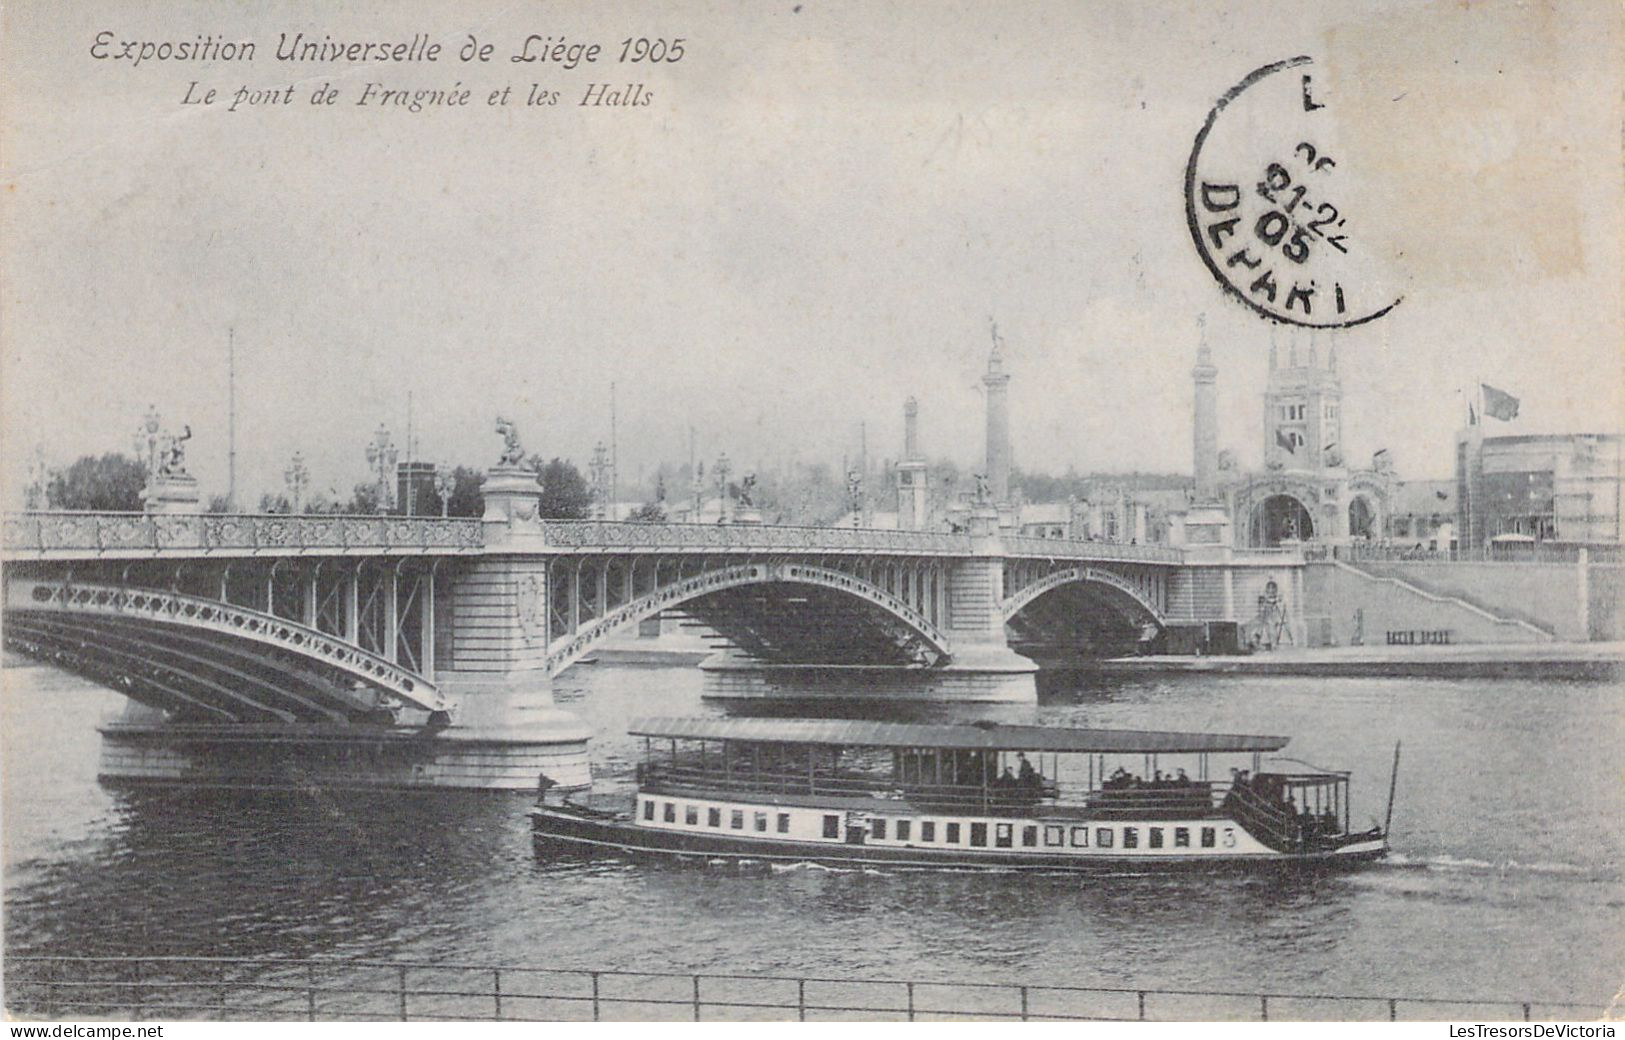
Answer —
1206 524
512 495
171 493
747 515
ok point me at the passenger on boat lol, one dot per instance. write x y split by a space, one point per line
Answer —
1028 775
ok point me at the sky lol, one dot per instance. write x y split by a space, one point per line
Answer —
817 215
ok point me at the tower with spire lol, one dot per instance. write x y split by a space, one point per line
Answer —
1303 410
996 387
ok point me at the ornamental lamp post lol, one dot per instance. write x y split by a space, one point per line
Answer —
297 477
599 468
146 441
723 468
445 482
381 456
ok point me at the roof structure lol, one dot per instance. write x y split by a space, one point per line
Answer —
979 737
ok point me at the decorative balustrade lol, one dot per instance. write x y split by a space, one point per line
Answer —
613 534
71 534
134 534
1071 549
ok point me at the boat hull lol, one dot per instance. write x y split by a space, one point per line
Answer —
596 835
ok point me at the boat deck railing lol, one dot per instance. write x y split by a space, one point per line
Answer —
332 989
1270 821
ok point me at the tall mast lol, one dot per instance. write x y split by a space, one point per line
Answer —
614 473
411 481
231 419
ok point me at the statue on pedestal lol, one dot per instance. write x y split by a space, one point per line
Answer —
513 453
173 462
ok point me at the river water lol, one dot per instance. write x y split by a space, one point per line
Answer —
1509 877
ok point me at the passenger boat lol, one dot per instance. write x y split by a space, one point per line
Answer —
968 797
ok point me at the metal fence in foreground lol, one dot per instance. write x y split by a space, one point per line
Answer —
334 990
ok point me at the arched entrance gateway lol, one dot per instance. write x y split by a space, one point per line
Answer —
1362 518
1280 518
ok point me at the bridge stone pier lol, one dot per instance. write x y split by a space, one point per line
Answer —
384 651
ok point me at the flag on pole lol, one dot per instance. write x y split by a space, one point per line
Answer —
1284 441
1498 404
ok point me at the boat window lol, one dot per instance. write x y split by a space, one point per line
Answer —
903 829
1080 837
928 830
671 812
713 817
1207 837
761 821
953 834
1029 836
1103 837
691 814
1156 837
1131 837
978 833
1182 837
649 810
784 823
1054 835
877 828
736 819
832 826
1001 835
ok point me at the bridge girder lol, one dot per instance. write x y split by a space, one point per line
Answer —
1032 583
709 588
244 674
309 673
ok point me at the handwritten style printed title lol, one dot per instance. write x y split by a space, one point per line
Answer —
558 51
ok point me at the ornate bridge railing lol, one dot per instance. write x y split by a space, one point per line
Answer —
607 534
68 535
1067 549
47 534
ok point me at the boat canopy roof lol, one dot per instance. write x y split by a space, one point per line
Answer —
977 737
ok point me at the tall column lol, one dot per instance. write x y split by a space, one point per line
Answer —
911 429
1206 439
911 479
1583 589
352 605
391 616
996 383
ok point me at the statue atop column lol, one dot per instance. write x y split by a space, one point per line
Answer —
513 453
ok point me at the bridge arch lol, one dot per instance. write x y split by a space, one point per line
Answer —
1078 613
1025 596
205 657
917 640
